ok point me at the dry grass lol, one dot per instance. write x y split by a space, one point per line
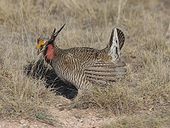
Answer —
89 23
149 120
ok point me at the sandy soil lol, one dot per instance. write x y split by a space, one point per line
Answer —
64 119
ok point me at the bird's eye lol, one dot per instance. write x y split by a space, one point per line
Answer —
41 46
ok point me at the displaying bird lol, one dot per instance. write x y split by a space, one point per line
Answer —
83 66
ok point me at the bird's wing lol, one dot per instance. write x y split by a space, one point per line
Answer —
102 72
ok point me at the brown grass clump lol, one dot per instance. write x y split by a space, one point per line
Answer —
117 99
89 23
21 96
150 120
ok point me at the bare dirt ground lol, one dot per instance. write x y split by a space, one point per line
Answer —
23 124
65 119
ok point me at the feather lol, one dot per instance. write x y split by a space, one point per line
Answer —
105 72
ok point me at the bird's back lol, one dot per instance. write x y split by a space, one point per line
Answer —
82 66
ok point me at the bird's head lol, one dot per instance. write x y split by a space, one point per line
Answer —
46 45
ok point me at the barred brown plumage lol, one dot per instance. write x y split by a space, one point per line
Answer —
83 66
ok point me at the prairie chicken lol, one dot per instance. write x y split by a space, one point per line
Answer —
83 66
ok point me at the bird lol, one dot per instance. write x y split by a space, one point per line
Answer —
85 67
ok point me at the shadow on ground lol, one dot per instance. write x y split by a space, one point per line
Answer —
50 78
